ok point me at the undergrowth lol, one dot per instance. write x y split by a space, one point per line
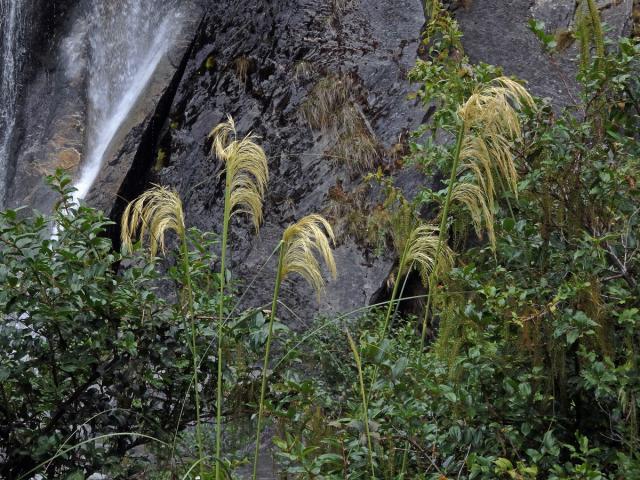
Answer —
523 363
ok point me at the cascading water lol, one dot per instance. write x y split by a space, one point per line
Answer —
12 32
127 39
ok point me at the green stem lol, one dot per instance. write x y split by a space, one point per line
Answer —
596 23
265 366
506 193
388 316
194 350
394 292
405 457
223 276
365 405
443 229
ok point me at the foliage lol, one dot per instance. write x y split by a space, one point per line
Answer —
533 373
87 348
533 368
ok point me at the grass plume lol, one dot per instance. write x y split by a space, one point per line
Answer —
246 177
152 214
301 242
419 249
246 170
474 200
488 124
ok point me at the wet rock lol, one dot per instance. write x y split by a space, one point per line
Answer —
497 32
293 45
49 125
134 150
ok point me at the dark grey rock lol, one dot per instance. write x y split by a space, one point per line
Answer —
497 32
374 43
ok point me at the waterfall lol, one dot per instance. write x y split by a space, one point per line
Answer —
12 32
126 41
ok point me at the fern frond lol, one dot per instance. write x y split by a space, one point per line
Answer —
153 213
246 169
301 242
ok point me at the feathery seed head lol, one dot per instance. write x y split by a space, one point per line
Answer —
473 198
301 242
154 212
491 124
247 172
494 106
422 249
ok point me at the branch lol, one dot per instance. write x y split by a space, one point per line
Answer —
62 408
624 272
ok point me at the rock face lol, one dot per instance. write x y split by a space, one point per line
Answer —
49 124
268 64
497 32
77 66
289 48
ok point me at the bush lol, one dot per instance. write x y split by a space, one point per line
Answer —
88 348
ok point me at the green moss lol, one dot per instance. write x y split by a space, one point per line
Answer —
161 159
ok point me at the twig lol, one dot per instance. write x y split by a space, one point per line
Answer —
464 461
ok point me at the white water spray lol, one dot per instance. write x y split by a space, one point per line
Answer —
127 41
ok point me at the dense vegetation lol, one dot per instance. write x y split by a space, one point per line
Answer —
522 363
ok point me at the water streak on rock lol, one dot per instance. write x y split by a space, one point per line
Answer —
127 41
12 31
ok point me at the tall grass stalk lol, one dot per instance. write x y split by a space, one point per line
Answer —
154 212
394 292
246 176
443 228
300 244
265 365
389 317
223 276
488 123
194 348
365 405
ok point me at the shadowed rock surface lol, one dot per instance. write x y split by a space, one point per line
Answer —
289 47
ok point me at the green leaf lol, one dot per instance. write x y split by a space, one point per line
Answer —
399 367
